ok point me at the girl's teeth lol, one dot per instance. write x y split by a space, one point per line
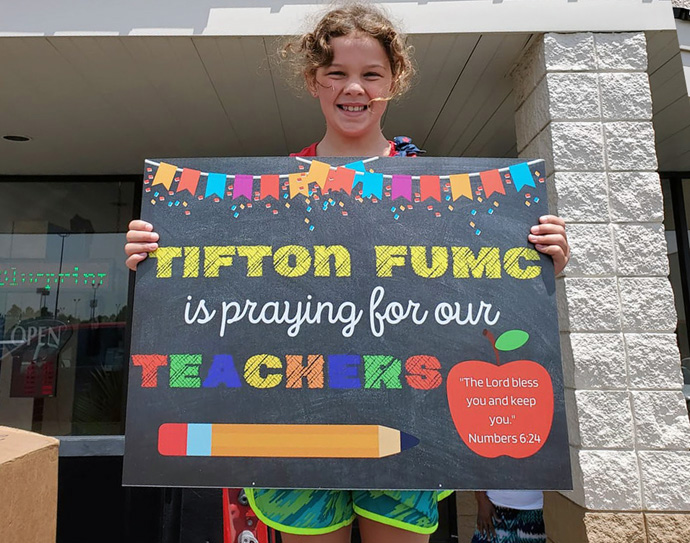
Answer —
354 108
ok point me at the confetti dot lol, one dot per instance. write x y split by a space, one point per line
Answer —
437 214
184 204
149 169
396 216
177 203
341 204
170 204
451 208
307 201
275 211
306 220
528 195
496 204
409 206
216 200
491 211
268 205
541 179
447 198
153 201
308 209
161 198
236 214
429 208
472 224
528 203
402 208
479 199
477 231
300 167
344 213
473 212
200 197
536 172
171 193
148 189
241 206
187 212
536 200
156 194
287 205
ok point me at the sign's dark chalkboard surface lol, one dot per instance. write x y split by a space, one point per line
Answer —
333 323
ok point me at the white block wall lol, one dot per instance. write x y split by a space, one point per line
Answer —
584 104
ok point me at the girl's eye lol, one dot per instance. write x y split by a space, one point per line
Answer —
372 75
335 73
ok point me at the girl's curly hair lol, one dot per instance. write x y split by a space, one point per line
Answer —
313 50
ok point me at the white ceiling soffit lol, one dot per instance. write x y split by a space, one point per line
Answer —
100 105
275 17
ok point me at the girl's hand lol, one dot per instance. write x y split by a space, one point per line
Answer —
485 514
549 238
141 240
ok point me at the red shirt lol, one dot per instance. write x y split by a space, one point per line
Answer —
311 150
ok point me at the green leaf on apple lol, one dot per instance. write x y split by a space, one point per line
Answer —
511 340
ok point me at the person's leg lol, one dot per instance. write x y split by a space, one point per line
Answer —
342 535
376 532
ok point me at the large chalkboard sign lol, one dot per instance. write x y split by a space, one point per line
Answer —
340 323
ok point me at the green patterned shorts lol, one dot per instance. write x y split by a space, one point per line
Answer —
313 512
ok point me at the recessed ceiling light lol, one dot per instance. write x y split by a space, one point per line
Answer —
16 138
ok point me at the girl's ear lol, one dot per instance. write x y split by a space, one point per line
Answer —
311 85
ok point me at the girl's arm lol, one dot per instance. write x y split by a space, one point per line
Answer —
141 240
549 238
485 514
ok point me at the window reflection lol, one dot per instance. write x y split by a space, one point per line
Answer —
63 312
676 253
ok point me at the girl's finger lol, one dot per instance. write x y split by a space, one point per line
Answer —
138 236
551 219
140 248
539 229
134 259
138 224
551 239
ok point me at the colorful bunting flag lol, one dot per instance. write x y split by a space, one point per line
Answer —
341 179
430 187
215 184
270 186
243 186
521 175
318 173
372 184
460 186
164 175
401 187
298 185
491 181
356 166
189 180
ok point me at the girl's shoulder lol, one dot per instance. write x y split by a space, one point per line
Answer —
310 150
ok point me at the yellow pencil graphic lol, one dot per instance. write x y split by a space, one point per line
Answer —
282 440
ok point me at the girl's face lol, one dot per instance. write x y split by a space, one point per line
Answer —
359 73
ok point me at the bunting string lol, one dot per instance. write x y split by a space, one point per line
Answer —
319 183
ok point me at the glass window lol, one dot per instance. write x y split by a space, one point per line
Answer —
63 312
677 255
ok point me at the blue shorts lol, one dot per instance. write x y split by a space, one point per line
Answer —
313 512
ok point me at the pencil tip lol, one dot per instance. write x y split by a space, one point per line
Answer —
407 441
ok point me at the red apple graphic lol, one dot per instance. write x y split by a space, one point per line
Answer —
501 409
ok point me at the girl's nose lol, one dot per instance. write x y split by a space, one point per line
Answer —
354 86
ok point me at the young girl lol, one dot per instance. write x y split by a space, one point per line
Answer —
353 63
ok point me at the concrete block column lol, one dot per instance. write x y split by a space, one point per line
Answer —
583 104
